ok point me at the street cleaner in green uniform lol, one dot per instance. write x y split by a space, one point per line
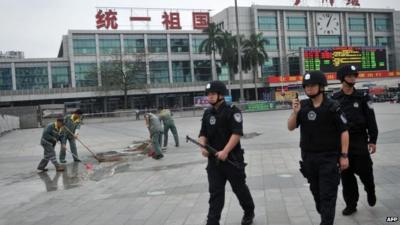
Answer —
153 123
51 134
169 124
70 133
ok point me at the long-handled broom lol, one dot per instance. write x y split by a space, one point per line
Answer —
115 158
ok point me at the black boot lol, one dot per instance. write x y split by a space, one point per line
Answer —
349 210
42 165
248 218
157 157
371 198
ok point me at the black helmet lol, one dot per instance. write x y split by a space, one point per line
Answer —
314 77
346 70
217 87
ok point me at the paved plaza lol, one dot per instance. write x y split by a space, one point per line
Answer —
174 190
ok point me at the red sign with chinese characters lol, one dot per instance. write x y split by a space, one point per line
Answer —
171 20
200 20
353 2
106 19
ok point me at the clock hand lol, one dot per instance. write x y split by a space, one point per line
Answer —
329 21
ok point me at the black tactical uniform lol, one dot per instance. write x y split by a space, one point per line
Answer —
217 126
320 143
363 130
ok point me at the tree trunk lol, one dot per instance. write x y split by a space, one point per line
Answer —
213 67
230 81
126 97
255 72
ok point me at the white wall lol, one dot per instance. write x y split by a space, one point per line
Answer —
8 123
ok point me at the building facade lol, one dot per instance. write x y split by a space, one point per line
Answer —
174 69
288 29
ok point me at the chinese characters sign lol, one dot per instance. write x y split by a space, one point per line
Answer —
107 19
200 20
172 20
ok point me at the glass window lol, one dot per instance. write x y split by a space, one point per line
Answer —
181 71
382 24
179 45
32 78
196 42
133 45
157 45
294 66
297 42
272 43
60 76
84 46
222 71
109 46
383 41
271 67
297 23
5 79
267 23
85 74
329 41
202 70
357 24
358 41
159 72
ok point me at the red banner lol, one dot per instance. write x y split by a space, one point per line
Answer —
332 76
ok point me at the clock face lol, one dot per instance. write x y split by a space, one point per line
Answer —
328 23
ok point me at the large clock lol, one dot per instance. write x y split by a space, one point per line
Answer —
328 23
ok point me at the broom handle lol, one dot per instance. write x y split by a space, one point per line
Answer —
94 155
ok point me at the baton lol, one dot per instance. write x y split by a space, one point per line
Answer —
211 150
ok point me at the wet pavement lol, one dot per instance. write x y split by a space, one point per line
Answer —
139 190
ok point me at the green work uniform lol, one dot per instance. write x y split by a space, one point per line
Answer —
73 125
169 124
155 132
51 134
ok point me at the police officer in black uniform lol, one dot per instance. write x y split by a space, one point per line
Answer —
363 130
221 128
324 142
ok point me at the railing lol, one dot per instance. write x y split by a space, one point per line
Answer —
143 87
126 115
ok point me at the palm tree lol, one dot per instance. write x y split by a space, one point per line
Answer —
212 44
255 55
229 54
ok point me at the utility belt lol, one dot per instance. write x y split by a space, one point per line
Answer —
303 169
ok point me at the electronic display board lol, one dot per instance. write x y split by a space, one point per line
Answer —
331 59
